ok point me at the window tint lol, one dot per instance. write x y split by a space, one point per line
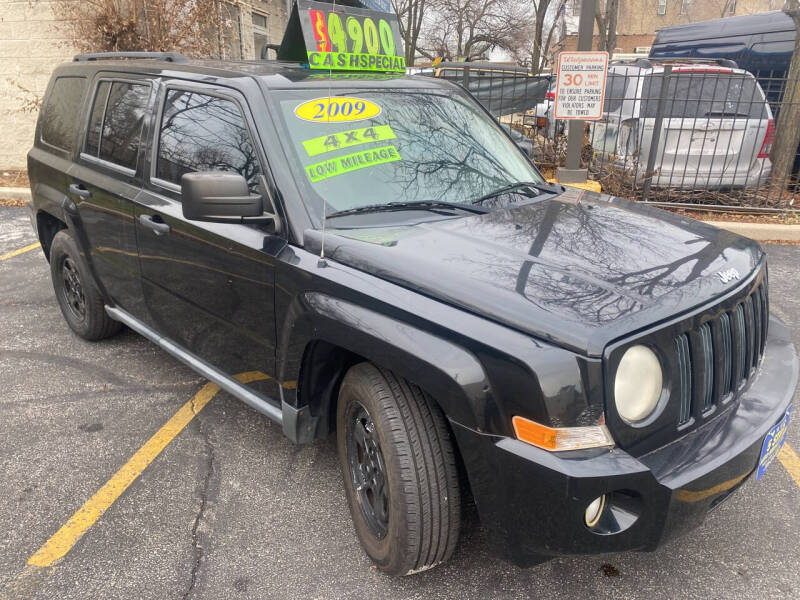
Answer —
62 112
96 119
122 125
204 133
704 94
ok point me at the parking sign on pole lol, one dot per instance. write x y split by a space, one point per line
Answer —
581 84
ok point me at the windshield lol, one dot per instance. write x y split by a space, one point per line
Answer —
368 147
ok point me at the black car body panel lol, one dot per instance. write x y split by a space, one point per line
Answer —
600 267
667 492
521 311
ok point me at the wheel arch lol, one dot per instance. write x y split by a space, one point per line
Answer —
47 226
325 336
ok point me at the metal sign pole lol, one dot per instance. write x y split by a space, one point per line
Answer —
573 173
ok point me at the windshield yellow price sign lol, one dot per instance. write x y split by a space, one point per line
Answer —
337 109
351 162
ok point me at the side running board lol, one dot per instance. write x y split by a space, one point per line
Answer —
260 403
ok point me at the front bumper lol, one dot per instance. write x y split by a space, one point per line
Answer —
532 501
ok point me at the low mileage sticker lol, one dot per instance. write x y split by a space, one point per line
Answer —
351 162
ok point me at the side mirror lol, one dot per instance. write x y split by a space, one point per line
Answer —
221 197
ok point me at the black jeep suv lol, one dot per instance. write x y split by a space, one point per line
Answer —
371 255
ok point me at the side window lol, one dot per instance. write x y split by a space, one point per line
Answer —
61 113
204 133
616 84
116 120
96 119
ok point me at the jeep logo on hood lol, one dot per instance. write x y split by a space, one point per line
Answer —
728 275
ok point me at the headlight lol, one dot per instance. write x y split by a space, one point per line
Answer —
638 384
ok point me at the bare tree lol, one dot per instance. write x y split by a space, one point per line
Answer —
787 134
194 27
410 15
605 16
545 20
470 29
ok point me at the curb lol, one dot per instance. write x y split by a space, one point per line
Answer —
761 232
22 194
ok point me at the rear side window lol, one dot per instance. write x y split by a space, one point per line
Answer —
616 84
204 133
116 121
704 94
62 112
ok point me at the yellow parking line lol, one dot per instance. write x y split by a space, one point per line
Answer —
19 251
64 539
790 462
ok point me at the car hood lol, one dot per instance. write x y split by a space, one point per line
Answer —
579 270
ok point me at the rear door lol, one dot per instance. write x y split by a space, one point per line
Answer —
714 122
207 286
106 180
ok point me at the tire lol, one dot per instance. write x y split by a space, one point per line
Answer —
414 524
80 301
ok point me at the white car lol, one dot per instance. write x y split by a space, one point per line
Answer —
717 127
545 123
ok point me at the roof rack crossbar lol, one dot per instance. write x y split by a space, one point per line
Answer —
175 57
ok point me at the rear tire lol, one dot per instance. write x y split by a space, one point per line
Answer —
80 301
399 469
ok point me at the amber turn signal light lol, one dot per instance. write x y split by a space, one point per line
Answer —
557 439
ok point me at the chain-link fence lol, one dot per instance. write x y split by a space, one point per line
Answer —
689 134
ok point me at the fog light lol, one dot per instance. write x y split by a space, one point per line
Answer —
595 510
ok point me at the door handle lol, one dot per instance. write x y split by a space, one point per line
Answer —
79 190
154 223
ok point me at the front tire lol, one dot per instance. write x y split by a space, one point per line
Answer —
80 301
399 469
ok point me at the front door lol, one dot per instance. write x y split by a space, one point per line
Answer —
207 286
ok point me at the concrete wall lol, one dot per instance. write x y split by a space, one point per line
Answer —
30 47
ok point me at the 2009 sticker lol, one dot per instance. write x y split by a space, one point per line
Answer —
348 139
337 109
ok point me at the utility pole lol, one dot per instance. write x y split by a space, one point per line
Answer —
573 173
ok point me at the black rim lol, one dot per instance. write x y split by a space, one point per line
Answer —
368 470
73 290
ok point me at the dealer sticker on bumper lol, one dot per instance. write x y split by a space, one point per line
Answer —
773 443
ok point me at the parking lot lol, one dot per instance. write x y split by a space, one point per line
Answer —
230 508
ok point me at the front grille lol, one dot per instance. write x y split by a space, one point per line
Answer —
717 358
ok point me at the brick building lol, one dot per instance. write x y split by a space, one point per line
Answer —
32 44
638 20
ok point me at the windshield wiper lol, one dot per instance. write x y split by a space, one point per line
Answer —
512 187
417 205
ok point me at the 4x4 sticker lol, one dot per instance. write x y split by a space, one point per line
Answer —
347 139
351 162
337 109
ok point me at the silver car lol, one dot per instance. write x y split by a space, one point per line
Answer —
717 127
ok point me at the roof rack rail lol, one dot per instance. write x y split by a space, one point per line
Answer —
647 63
175 57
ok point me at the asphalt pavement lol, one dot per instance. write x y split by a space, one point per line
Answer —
231 509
